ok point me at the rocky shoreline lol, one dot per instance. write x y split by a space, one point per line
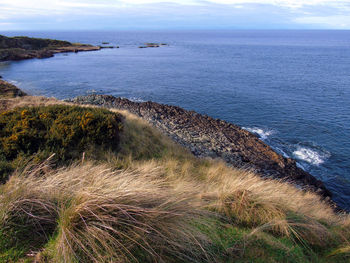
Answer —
208 137
7 90
20 48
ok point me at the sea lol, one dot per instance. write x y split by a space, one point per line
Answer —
289 87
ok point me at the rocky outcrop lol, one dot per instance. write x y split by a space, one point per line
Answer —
19 48
102 47
28 43
8 90
153 45
208 137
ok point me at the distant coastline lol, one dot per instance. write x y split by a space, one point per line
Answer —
20 48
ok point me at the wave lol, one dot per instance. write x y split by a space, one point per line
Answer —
305 154
280 151
135 99
311 156
301 166
91 92
14 82
263 134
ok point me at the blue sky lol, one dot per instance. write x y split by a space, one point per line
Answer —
173 14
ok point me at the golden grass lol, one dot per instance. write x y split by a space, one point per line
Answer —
260 204
103 216
12 103
340 251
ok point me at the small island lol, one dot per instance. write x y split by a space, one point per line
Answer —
146 45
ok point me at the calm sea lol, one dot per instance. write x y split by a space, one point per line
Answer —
292 88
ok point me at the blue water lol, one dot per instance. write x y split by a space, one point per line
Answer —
292 88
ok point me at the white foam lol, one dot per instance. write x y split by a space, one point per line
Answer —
135 99
285 155
14 82
300 166
310 156
91 91
263 134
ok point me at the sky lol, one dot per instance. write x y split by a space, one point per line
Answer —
173 14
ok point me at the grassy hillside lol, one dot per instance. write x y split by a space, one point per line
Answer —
16 48
146 199
19 48
30 43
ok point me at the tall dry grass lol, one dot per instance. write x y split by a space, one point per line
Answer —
92 214
260 204
11 103
243 197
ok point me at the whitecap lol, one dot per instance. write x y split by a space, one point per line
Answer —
14 82
91 91
310 155
300 166
135 99
279 150
263 134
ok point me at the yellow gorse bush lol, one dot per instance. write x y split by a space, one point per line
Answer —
66 131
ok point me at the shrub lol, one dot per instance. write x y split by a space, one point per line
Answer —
66 131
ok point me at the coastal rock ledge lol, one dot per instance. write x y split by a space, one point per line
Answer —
208 137
20 48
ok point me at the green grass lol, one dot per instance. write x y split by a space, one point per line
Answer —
234 244
13 251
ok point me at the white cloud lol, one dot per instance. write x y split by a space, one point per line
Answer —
277 2
138 2
310 12
57 4
287 3
336 21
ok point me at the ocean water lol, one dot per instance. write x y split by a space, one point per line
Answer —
291 88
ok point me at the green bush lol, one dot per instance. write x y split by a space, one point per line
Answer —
67 131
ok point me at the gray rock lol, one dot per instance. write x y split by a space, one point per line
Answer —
208 137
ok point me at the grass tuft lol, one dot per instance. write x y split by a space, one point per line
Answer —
98 215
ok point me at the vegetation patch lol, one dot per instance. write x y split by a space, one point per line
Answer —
66 131
91 214
30 43
8 90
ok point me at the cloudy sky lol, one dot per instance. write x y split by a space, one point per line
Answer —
173 14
